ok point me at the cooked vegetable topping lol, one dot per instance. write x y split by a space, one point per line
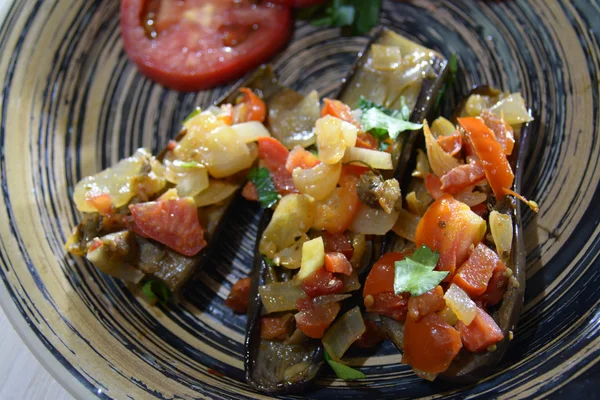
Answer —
343 371
156 291
380 124
265 188
415 274
360 15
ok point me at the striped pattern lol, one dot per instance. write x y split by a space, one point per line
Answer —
72 104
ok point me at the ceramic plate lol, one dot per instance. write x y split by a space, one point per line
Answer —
73 104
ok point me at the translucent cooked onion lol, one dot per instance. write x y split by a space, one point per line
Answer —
369 221
406 225
422 168
471 198
281 296
192 182
330 298
428 376
292 218
216 192
225 153
350 282
318 181
250 131
290 257
333 137
359 243
442 127
461 304
440 161
292 118
512 110
345 331
373 158
502 232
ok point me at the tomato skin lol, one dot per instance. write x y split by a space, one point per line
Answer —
451 144
337 263
503 132
372 336
337 109
314 322
163 60
335 213
434 186
427 303
381 276
481 333
239 296
300 158
320 283
276 328
388 304
497 168
173 223
430 344
298 3
338 243
255 108
475 273
450 227
275 155
459 178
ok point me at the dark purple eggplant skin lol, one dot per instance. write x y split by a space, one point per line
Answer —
469 367
427 96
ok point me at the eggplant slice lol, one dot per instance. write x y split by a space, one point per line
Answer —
471 367
283 368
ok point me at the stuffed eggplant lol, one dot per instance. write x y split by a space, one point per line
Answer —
151 220
332 200
450 289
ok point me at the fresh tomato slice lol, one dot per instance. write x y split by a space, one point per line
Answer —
474 275
173 223
459 178
197 44
497 168
338 242
275 155
298 3
337 263
381 276
239 296
451 228
451 144
301 158
430 344
481 333
427 303
313 322
335 213
320 283
276 328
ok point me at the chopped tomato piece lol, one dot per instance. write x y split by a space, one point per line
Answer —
497 168
314 322
173 223
96 243
430 344
480 209
320 283
381 276
337 109
388 304
337 263
239 296
102 203
495 288
451 144
366 141
356 170
275 155
504 133
473 276
459 178
272 328
335 213
338 242
434 186
481 333
372 336
249 192
299 157
227 114
451 228
256 110
427 303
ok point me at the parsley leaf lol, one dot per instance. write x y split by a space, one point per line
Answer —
267 193
415 274
156 290
379 123
343 371
367 15
196 111
361 15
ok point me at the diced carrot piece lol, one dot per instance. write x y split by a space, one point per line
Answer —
459 178
337 263
474 275
427 303
451 144
299 157
272 328
481 333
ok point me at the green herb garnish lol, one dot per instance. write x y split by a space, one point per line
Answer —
343 371
196 111
269 262
267 193
379 124
416 275
155 290
361 15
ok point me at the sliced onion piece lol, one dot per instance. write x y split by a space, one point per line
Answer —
318 181
290 257
192 182
350 283
345 331
281 296
512 110
428 376
440 161
373 158
471 198
330 298
442 127
313 257
226 153
369 221
422 168
406 225
502 232
333 136
461 304
216 192
250 131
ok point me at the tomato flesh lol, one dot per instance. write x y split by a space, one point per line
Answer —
337 109
320 283
381 276
427 303
372 336
481 333
173 223
335 213
451 144
314 321
275 155
276 328
239 296
495 288
459 178
338 243
337 263
474 275
298 3
199 44
434 186
300 158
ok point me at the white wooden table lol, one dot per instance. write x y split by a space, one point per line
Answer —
21 375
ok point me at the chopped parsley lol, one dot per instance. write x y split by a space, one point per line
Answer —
416 275
381 124
267 193
155 290
343 371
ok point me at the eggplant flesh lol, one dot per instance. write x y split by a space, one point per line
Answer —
471 367
283 368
